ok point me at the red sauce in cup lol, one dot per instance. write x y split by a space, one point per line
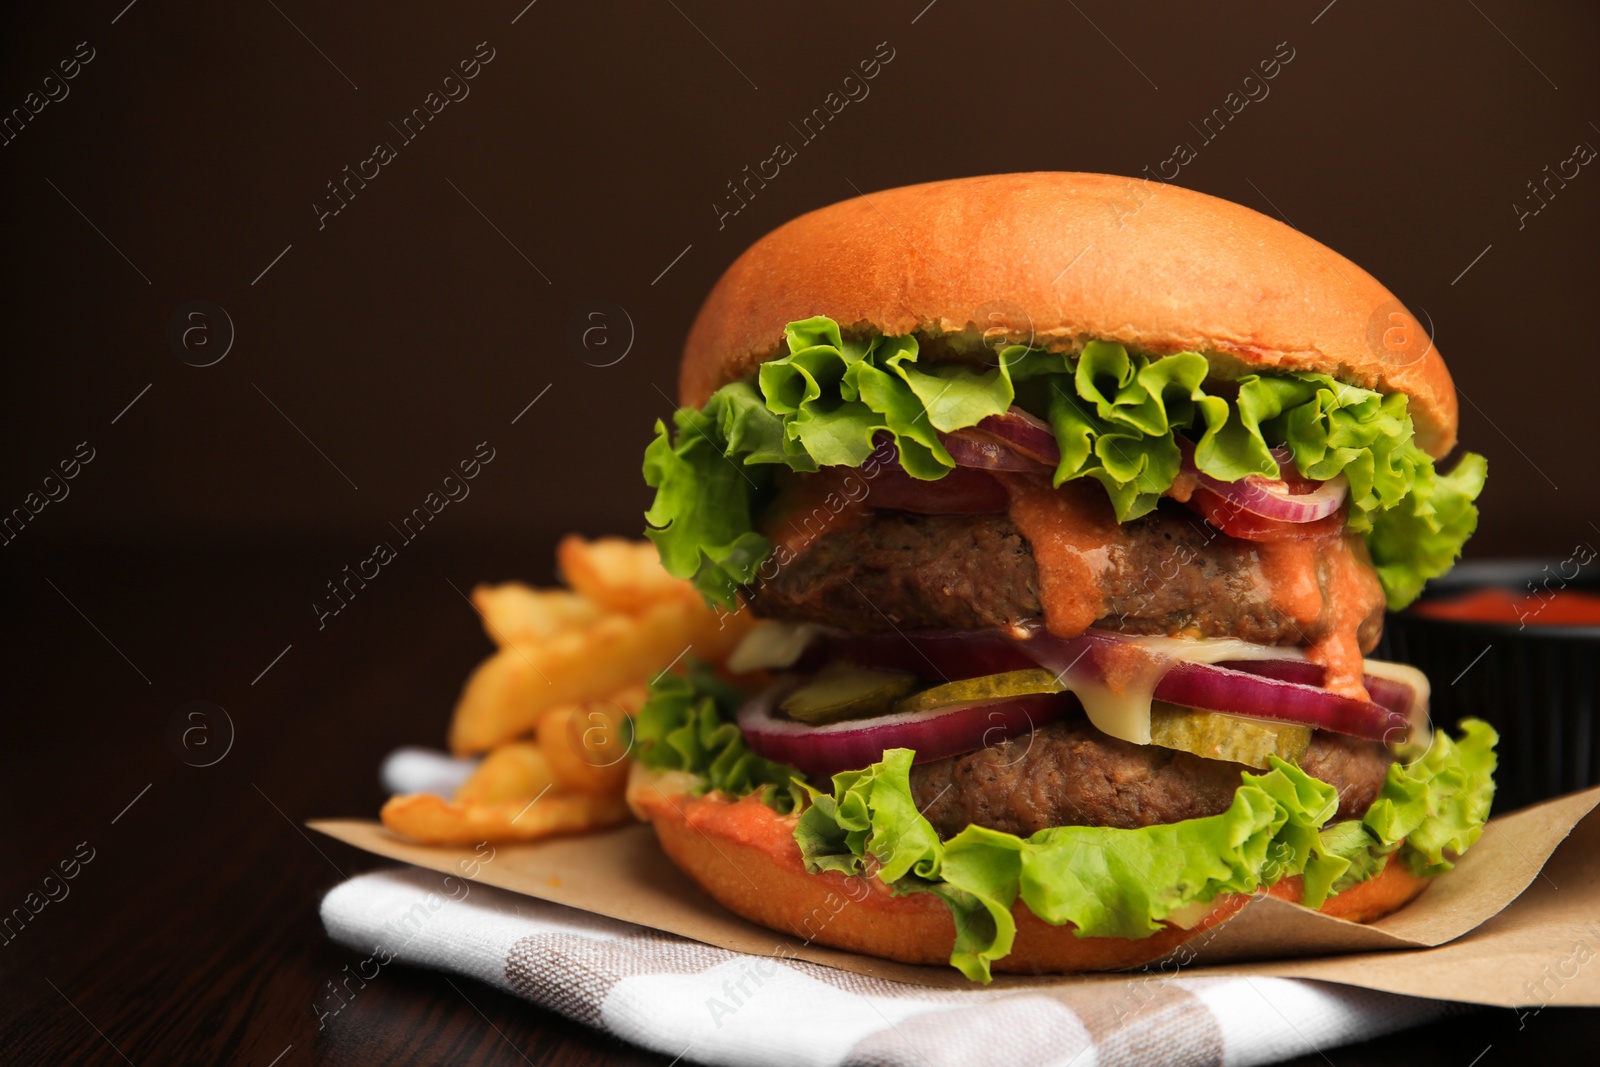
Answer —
1559 607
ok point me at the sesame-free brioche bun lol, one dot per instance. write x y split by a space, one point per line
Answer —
1058 259
743 854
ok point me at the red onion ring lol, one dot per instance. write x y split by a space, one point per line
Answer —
1289 498
1276 690
823 751
1030 436
1011 441
1210 687
1396 696
954 654
970 448
1275 500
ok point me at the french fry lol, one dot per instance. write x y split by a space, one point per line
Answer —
569 669
510 691
586 746
618 574
627 700
494 690
507 694
513 612
516 771
631 698
434 820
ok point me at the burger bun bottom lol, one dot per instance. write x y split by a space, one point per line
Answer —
743 854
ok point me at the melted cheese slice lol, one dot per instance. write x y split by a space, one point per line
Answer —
772 645
1121 709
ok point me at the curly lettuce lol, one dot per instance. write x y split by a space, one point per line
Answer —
1112 882
708 487
1107 882
1116 416
687 725
1439 802
1116 419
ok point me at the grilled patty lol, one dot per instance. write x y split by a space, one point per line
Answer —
967 572
1070 774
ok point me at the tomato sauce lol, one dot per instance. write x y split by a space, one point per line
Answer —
1558 607
1290 571
1073 533
1323 583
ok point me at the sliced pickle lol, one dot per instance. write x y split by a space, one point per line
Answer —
1226 737
982 689
840 691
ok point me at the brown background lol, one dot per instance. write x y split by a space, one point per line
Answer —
409 328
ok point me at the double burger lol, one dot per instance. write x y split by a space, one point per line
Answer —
1070 506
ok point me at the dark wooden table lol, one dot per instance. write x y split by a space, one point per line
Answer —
192 935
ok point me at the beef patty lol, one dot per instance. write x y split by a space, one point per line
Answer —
1173 575
1070 774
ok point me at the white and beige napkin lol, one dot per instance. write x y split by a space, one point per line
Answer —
710 1005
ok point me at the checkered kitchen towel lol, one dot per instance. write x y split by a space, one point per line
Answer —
710 1005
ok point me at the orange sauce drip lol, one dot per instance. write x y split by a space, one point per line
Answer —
1289 570
1126 669
1075 539
1073 533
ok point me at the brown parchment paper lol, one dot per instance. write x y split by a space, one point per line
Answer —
1516 924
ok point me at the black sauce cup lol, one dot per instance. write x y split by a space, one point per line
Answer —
1533 682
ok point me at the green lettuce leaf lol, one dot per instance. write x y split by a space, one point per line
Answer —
687 724
1422 534
1107 882
1439 802
708 485
836 396
1352 855
1429 808
1115 414
1126 883
1116 417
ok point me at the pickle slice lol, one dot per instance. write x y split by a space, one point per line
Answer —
841 691
1230 738
982 689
